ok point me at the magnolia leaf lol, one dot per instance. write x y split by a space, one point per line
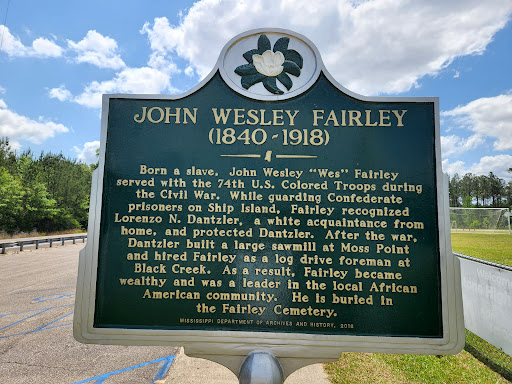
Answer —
249 81
263 44
246 69
282 44
271 85
248 55
285 80
292 68
293 55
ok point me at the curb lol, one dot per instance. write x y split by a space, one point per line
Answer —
191 370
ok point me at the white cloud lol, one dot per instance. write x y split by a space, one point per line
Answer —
162 63
496 164
2 90
44 47
15 145
18 127
61 93
102 51
130 80
189 71
11 44
99 50
491 116
40 47
457 167
379 46
87 154
454 144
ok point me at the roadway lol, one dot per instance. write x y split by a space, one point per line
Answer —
37 294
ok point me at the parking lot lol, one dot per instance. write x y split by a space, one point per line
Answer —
37 292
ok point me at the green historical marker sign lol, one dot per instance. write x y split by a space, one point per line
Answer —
270 207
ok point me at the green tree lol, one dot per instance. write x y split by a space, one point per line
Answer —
38 209
479 186
485 190
11 201
454 191
68 182
467 202
496 189
49 193
7 155
97 163
474 224
508 192
508 195
467 185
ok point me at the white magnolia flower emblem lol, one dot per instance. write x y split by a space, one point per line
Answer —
270 63
267 65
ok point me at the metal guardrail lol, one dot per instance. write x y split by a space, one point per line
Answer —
5 244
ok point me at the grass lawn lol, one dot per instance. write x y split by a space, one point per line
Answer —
491 247
370 368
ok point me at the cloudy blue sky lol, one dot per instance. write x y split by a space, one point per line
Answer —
58 57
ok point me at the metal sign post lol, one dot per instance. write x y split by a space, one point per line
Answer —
261 368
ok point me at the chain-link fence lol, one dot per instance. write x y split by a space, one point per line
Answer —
479 219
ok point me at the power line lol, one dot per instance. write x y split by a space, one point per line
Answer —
5 25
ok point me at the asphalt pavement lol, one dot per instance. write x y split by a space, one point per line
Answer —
37 293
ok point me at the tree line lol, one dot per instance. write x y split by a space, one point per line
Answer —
51 193
48 193
480 191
